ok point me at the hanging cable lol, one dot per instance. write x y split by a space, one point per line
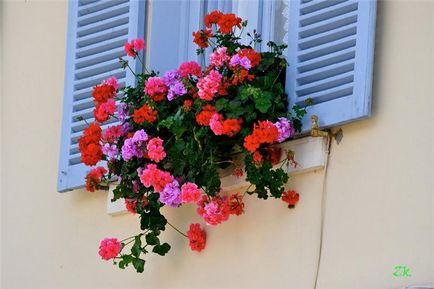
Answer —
323 203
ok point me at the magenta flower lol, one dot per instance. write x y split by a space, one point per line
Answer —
109 248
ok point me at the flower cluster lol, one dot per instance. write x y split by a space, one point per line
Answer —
109 248
176 132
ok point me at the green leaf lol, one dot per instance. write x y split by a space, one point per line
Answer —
139 264
151 239
136 249
221 104
161 249
263 102
126 260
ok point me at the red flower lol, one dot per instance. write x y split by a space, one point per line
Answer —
131 204
92 134
274 154
112 133
236 204
197 237
190 68
223 88
144 113
131 48
212 18
263 132
102 93
251 143
291 198
91 154
104 110
201 37
94 177
89 146
254 57
241 75
205 115
157 97
232 126
187 104
227 21
257 158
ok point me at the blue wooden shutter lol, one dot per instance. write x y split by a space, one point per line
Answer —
224 6
330 55
97 32
170 33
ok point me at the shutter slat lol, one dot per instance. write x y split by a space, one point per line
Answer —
328 36
326 71
97 32
327 94
327 48
330 82
313 6
328 13
110 54
83 104
103 14
328 59
97 6
98 37
101 47
328 24
94 80
330 56
98 68
103 25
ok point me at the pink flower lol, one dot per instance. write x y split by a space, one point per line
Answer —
190 67
285 128
155 85
111 81
134 46
109 248
152 176
214 211
138 44
190 193
219 57
216 124
155 149
209 85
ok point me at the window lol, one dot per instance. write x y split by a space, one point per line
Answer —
330 54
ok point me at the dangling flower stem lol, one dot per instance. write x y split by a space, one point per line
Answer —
176 229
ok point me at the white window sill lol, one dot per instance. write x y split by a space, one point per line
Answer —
310 154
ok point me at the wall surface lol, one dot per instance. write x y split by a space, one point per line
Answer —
379 186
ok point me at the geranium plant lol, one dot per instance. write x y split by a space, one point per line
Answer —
176 133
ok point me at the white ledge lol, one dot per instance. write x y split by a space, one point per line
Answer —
310 154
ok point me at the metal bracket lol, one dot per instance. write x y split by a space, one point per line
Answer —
315 131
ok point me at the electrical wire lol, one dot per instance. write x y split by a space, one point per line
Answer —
323 203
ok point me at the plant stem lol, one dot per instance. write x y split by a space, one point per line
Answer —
176 229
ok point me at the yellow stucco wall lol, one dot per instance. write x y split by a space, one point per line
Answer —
380 182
